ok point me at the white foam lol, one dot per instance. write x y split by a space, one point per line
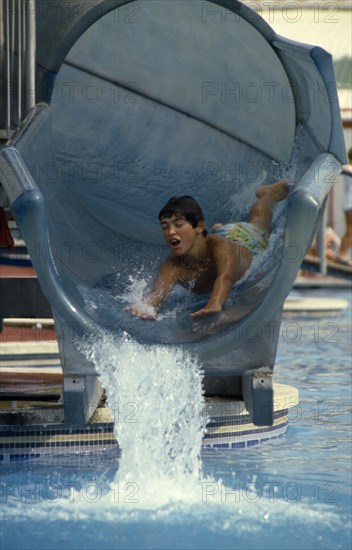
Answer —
228 510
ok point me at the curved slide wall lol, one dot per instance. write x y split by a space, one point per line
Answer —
152 99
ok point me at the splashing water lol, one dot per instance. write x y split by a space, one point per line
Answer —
135 293
155 395
156 398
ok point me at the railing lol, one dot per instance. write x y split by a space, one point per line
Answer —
322 246
17 62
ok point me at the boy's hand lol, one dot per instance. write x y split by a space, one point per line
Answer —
206 310
144 313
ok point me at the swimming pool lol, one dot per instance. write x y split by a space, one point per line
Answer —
290 493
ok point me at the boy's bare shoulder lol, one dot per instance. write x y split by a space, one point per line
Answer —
169 271
169 263
218 242
214 238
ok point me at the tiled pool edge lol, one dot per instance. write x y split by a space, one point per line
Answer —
229 426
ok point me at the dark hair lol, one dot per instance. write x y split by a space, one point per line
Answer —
185 206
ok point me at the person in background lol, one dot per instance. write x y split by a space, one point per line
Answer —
6 239
346 241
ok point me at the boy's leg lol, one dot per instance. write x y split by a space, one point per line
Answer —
267 196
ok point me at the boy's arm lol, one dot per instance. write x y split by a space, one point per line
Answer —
226 258
165 281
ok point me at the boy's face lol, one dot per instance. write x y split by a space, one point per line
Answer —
179 234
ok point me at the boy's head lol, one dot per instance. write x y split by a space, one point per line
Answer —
185 206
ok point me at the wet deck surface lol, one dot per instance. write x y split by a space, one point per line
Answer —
30 369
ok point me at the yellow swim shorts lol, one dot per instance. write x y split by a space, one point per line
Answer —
247 234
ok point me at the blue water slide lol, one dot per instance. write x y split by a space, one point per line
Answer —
139 101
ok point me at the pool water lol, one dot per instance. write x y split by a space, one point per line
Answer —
294 492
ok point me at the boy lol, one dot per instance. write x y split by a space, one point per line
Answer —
209 263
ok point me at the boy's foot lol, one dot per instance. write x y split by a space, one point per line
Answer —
277 190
